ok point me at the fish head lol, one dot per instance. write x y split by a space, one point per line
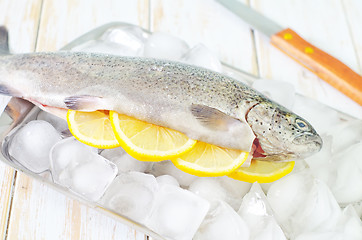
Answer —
280 134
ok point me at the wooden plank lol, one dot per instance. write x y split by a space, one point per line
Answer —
21 17
323 24
38 212
353 10
6 182
63 21
209 23
22 26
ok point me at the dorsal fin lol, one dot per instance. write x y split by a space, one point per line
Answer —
4 41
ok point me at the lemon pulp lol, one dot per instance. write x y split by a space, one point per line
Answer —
262 171
92 128
148 142
207 160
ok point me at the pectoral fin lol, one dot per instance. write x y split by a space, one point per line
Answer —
212 118
84 103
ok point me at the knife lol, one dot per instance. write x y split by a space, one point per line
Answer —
321 63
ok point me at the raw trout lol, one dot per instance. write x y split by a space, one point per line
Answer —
203 104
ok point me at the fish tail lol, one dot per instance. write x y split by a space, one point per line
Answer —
4 41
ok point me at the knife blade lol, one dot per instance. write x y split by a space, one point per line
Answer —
325 66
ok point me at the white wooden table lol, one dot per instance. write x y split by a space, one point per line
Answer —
31 210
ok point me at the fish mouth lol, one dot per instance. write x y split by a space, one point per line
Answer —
312 143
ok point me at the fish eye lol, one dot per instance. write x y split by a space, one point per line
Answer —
302 125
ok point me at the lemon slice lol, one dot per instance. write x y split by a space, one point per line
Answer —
92 128
262 171
207 160
148 142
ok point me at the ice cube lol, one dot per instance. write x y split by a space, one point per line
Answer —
123 41
167 179
358 207
165 46
124 161
349 227
220 188
222 222
303 204
258 215
288 194
235 191
319 211
131 194
321 163
58 123
299 166
68 153
347 187
76 166
322 117
346 134
176 213
265 186
351 223
31 144
333 235
129 37
92 178
208 188
270 231
279 91
235 187
324 156
167 167
201 56
99 46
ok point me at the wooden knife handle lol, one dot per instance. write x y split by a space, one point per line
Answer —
322 64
